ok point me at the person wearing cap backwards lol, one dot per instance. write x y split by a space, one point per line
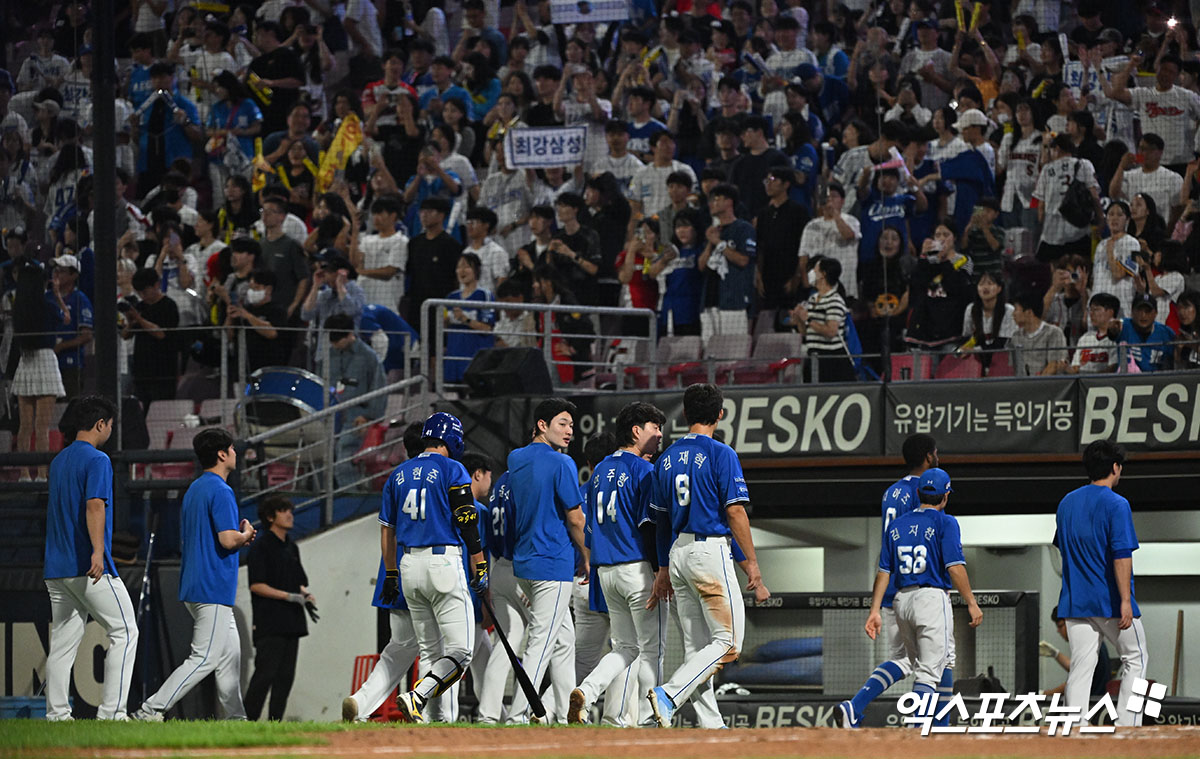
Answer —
78 333
923 550
1146 341
334 291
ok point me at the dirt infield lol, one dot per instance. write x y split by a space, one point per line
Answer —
563 743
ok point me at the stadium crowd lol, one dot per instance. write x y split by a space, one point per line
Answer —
951 177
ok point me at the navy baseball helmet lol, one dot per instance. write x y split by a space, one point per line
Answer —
447 428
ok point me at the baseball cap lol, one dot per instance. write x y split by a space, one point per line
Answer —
927 23
972 117
1111 35
332 259
806 71
935 482
67 262
17 232
1145 300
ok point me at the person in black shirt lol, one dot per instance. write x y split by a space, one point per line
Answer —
432 260
749 171
779 226
266 344
150 324
278 69
542 114
608 214
574 253
278 597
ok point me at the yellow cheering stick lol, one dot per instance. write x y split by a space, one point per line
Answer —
975 14
1021 41
648 59
260 89
958 12
261 167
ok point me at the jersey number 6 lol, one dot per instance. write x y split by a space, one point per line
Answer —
912 559
683 489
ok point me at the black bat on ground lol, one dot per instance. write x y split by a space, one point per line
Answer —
531 694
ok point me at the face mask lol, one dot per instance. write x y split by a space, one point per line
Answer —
1003 118
255 297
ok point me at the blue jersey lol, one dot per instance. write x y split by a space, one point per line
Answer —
81 318
694 481
920 547
684 295
617 501
1093 527
501 538
375 318
139 85
639 136
416 500
78 474
899 499
880 211
209 574
545 486
1153 353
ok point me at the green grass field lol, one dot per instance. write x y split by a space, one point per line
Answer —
39 734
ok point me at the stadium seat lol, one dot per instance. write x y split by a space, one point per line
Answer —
177 440
959 367
213 408
725 351
1001 365
769 348
671 349
910 366
163 416
387 711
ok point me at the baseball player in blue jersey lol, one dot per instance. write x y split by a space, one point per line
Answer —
700 496
587 599
401 650
923 551
211 537
1095 536
507 600
546 505
426 505
920 454
79 571
617 506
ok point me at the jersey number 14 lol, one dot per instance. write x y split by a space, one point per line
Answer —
610 509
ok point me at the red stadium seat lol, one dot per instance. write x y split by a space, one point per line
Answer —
1001 365
388 711
910 366
959 367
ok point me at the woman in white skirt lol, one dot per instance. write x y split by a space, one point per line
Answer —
37 381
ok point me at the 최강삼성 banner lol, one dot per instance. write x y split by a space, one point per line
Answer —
545 147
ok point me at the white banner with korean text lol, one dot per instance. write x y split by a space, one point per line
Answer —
581 11
545 147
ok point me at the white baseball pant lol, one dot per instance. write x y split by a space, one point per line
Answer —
710 611
635 634
897 654
510 606
72 599
926 626
550 630
395 660
443 618
591 630
704 700
1084 636
215 648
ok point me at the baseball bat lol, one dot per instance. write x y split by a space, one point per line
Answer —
531 694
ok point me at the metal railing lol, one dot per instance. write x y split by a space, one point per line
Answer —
433 348
320 451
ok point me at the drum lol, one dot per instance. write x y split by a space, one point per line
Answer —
277 395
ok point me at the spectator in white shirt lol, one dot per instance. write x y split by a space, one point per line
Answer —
1165 109
1096 353
382 258
1164 277
1059 236
1113 255
648 190
1152 178
493 259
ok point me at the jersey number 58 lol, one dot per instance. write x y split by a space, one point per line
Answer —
912 559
